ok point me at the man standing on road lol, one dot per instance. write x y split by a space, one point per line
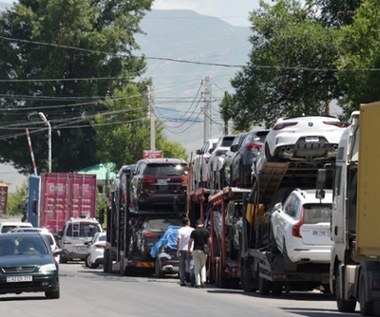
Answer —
182 246
199 238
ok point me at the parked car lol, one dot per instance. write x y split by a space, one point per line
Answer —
157 184
215 163
241 162
303 138
200 163
76 232
47 234
235 146
146 232
27 264
301 226
96 248
10 225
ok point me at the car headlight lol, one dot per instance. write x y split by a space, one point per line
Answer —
48 268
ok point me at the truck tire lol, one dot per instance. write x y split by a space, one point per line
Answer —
106 264
344 306
245 277
366 307
157 270
264 286
277 288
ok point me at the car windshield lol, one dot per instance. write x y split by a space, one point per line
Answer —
7 228
162 224
20 245
316 213
83 229
165 169
227 141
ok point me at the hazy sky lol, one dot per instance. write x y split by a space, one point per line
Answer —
234 12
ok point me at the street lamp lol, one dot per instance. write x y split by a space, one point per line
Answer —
43 118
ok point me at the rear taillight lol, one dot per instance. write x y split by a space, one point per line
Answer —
335 123
149 180
150 235
296 230
252 146
99 246
280 126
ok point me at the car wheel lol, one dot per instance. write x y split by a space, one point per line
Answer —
87 261
222 179
53 294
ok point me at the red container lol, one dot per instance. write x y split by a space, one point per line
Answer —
66 195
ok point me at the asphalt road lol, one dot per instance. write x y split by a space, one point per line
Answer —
87 292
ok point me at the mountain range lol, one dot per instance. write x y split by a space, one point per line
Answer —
206 46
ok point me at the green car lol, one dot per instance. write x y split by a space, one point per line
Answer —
27 264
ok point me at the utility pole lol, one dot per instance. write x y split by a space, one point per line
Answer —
152 118
207 109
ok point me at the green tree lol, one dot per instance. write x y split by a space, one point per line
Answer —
335 13
17 201
123 132
63 58
291 69
359 58
225 112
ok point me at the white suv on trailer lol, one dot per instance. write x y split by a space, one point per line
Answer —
301 226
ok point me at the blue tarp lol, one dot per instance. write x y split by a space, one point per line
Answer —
169 239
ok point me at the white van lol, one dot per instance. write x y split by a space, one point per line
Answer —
10 225
76 232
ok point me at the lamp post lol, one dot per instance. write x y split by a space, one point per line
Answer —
43 118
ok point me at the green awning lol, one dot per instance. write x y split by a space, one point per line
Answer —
101 171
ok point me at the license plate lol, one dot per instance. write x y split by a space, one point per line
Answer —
162 182
321 233
18 279
312 139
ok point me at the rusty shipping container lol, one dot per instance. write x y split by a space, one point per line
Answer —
3 198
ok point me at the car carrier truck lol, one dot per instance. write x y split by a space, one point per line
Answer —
238 220
355 256
122 254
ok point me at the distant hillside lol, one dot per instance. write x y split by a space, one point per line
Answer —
189 36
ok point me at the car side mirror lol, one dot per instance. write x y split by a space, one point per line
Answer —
234 147
278 207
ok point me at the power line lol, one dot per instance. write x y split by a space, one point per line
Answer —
124 54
